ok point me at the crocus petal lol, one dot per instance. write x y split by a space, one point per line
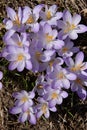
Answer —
71 76
74 87
15 110
13 65
82 93
39 114
23 117
66 83
47 114
64 94
26 13
21 66
32 119
28 65
11 13
81 28
35 27
1 75
76 19
73 35
79 58
53 9
67 16
53 109
59 100
9 33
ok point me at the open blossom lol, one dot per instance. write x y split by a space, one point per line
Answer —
70 25
1 76
78 65
39 57
30 17
24 99
29 115
43 108
68 49
48 38
24 115
55 96
14 19
19 58
52 63
79 85
61 77
50 15
17 40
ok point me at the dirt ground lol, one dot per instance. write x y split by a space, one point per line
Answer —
72 114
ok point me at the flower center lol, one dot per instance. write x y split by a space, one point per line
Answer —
40 87
44 108
49 38
78 81
54 95
17 21
37 55
48 15
76 68
20 57
24 99
69 27
19 44
65 49
30 20
60 75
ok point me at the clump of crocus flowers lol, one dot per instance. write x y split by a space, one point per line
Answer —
40 40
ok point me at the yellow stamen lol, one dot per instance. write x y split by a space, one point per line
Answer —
17 21
20 57
49 38
48 15
78 81
24 99
54 95
69 27
30 20
65 49
60 75
19 44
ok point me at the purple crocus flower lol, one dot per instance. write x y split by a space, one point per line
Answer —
43 108
53 62
77 66
24 115
24 99
48 38
78 85
55 96
18 57
39 57
1 76
61 77
14 19
30 17
68 49
70 25
29 115
50 15
17 40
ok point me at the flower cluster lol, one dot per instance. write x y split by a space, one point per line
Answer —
40 40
